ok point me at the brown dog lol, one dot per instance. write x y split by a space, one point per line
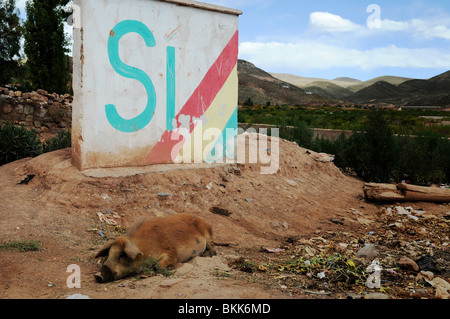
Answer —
169 240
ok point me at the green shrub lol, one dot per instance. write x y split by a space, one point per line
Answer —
63 140
372 151
16 142
300 133
424 159
335 147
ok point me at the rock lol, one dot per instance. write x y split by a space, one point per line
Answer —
427 263
56 113
19 109
41 112
427 274
163 194
375 295
28 109
408 264
291 182
170 282
337 221
341 247
185 269
7 109
368 251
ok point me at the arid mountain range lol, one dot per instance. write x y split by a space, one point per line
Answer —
286 89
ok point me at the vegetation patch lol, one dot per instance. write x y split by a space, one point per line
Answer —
151 268
17 142
21 246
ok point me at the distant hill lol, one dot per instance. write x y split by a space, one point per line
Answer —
281 88
328 89
304 82
380 91
260 87
395 80
432 92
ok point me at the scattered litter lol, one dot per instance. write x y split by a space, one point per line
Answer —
337 221
101 233
220 211
27 179
325 293
209 186
105 196
78 296
321 275
163 194
272 250
427 263
249 200
406 211
104 219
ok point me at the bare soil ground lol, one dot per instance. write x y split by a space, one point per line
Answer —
272 219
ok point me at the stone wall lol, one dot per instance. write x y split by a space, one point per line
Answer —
39 110
326 134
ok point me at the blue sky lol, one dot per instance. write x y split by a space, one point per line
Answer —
329 38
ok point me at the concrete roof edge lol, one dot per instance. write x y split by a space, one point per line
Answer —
205 6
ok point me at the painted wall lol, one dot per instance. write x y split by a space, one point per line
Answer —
154 82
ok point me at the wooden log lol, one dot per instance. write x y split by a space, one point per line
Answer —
425 194
382 193
405 193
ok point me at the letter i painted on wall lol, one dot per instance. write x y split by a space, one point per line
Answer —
142 120
170 91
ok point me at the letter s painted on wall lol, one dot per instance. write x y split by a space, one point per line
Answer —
142 120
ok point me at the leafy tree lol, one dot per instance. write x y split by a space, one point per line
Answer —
372 152
11 33
46 45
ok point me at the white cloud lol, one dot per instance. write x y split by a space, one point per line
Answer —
328 22
309 55
418 28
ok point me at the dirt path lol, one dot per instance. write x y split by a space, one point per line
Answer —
59 208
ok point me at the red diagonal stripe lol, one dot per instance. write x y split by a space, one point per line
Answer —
198 103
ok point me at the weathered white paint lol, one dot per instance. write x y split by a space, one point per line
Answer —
197 32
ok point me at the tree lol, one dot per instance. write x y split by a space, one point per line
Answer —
46 45
11 33
372 152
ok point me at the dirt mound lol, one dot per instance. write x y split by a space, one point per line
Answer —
62 208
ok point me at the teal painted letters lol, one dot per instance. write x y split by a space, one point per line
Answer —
142 120
170 87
